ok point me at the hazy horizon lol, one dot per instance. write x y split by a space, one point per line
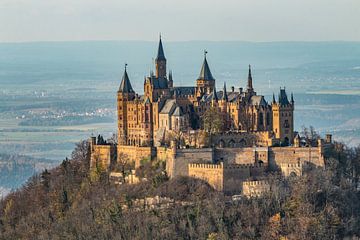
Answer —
185 20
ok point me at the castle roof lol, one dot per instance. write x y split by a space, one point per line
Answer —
213 95
169 106
160 54
184 90
205 73
177 112
258 100
224 94
159 83
125 85
283 99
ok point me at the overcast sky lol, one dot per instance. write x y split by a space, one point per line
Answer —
178 20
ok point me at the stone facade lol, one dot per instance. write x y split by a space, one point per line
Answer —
225 178
257 136
101 155
144 119
255 188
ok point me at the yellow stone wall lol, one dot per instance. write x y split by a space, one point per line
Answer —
255 188
136 154
211 173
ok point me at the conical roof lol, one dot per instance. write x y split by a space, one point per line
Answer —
160 54
249 85
224 96
125 85
205 73
283 99
213 95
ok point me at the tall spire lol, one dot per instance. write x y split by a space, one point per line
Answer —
274 101
205 73
214 95
125 85
170 75
160 54
292 98
224 96
249 84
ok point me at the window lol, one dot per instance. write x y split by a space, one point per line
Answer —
261 119
267 119
286 124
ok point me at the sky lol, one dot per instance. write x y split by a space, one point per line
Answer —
180 20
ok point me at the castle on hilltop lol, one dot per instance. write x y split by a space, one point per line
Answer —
144 119
167 123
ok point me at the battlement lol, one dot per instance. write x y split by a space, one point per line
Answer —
243 166
206 165
292 165
256 183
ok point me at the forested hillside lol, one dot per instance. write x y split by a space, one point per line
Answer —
68 202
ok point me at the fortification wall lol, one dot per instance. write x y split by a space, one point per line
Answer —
211 173
311 155
248 155
255 188
235 174
243 139
179 159
101 156
136 154
291 169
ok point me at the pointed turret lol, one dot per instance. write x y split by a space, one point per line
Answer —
292 99
214 95
249 83
125 85
160 61
224 96
170 81
160 54
205 73
273 101
283 99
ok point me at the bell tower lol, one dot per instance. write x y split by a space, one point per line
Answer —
160 62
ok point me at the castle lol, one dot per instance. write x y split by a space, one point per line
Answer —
167 121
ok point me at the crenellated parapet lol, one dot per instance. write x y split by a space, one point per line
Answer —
255 188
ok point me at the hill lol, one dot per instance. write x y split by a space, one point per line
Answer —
68 202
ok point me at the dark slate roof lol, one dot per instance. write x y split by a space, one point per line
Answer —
224 94
213 95
169 106
125 85
283 99
249 85
160 54
159 83
205 73
184 90
258 100
177 112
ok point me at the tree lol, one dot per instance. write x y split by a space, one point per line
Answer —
310 135
213 120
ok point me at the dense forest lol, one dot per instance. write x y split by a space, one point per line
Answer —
69 202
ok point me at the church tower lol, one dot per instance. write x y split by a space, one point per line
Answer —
124 94
283 118
160 62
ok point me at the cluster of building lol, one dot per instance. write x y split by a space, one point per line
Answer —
256 136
